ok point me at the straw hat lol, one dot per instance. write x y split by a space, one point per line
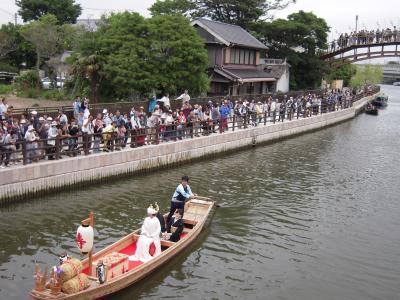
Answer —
49 119
34 112
41 119
30 128
54 123
105 111
23 121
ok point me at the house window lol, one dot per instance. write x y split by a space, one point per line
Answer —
232 57
242 56
237 56
251 58
246 57
242 60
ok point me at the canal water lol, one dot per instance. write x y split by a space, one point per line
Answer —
313 217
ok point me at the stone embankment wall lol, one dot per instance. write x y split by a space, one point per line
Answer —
30 180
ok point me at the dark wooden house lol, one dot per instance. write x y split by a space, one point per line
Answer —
234 60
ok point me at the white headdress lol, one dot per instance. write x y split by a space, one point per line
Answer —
151 210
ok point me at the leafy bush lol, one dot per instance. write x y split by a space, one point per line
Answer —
27 80
28 93
367 74
5 89
32 93
8 68
57 95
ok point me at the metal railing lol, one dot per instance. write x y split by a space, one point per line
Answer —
364 38
90 144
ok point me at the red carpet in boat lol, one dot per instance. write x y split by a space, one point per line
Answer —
130 250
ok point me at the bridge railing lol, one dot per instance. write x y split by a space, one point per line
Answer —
364 38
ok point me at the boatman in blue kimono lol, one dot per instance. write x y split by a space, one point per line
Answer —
182 194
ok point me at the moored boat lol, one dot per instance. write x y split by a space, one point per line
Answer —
380 101
123 272
371 109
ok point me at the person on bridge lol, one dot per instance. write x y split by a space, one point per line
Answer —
181 194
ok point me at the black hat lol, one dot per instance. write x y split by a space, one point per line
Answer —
185 178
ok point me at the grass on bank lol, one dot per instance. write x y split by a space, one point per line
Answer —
5 89
34 93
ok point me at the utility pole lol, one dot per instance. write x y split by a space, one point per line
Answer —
356 22
16 19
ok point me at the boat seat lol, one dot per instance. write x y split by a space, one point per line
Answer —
189 221
167 244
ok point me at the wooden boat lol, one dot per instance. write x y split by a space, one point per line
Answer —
197 214
371 110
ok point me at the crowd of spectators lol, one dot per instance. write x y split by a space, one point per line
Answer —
364 37
34 137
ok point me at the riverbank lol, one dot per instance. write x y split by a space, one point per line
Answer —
26 181
24 103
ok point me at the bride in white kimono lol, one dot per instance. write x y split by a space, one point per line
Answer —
150 233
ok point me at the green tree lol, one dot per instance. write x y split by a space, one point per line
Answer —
299 38
178 55
133 56
125 46
302 31
244 13
46 36
8 44
66 11
173 7
344 73
24 53
367 75
86 66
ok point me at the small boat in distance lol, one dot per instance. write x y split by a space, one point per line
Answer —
123 272
380 101
397 83
370 109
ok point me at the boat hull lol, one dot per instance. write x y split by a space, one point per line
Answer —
380 101
372 112
119 283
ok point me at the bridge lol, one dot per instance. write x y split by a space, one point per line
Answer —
352 53
363 45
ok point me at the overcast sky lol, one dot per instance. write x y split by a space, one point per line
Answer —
340 14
